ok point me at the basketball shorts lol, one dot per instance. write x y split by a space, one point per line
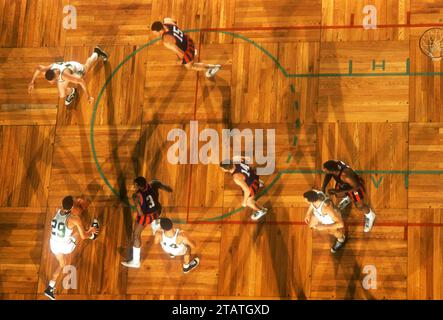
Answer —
253 188
356 196
58 247
189 54
147 218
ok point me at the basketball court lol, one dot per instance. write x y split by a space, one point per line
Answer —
330 86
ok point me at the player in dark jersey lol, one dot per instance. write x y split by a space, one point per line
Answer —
349 187
182 45
148 207
246 177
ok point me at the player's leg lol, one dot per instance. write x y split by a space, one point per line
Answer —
67 92
136 240
189 264
49 292
92 60
369 214
340 239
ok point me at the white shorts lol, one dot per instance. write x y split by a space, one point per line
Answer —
180 251
62 247
77 68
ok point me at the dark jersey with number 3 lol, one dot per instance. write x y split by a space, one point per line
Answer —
181 40
148 200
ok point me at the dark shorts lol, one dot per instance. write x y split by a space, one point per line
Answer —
147 218
189 54
356 196
253 188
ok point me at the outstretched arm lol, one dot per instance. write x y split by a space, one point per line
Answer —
328 178
187 241
78 224
158 185
38 71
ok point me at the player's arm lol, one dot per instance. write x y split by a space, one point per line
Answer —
158 185
158 237
246 192
38 71
186 240
169 42
326 181
308 215
136 199
330 210
76 221
169 21
81 82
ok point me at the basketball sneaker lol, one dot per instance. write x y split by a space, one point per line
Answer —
338 245
369 221
102 54
49 292
258 214
192 265
211 72
131 264
95 224
346 201
70 98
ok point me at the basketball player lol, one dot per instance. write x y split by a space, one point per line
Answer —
148 208
322 215
67 75
176 243
182 45
62 243
246 177
349 188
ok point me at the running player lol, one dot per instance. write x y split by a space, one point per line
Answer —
322 215
182 45
67 75
246 177
148 212
349 188
176 243
62 242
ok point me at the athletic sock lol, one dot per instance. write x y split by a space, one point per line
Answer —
341 240
185 265
52 283
136 254
94 56
370 214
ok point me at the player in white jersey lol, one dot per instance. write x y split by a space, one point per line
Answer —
176 243
322 215
63 242
69 74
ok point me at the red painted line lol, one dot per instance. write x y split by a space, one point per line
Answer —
302 223
319 27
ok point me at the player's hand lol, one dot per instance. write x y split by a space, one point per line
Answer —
30 87
91 100
307 219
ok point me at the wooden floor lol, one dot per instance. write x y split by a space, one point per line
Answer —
386 125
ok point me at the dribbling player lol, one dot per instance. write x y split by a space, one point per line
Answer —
182 45
322 215
176 243
68 74
148 208
62 243
246 177
349 188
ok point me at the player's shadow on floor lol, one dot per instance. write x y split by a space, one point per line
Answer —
282 259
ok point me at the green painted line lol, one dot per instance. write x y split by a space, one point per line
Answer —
376 183
289 158
292 88
375 66
294 142
350 67
298 123
407 181
296 105
408 66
